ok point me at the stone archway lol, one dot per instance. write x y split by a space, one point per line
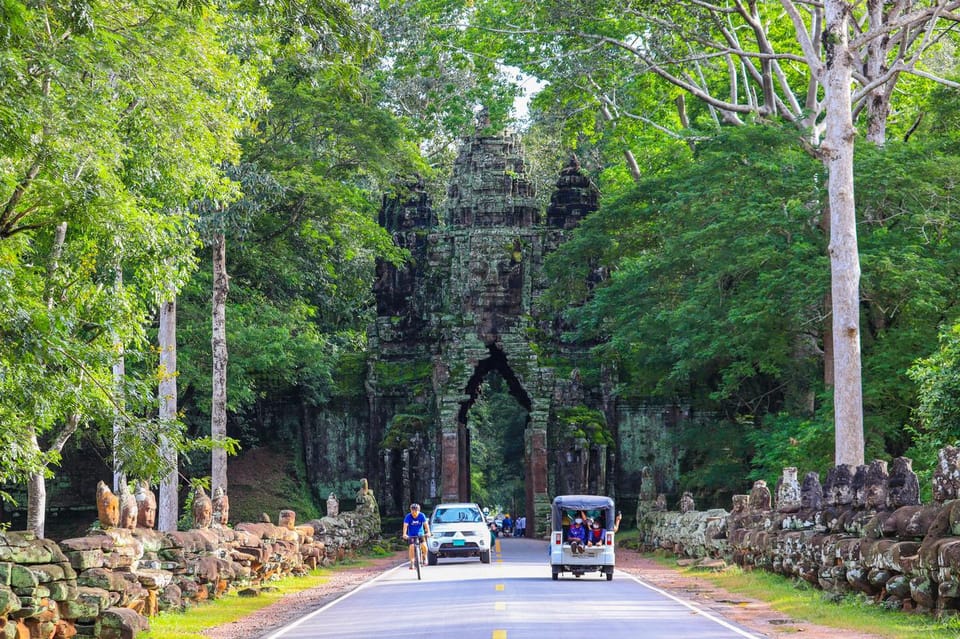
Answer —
465 307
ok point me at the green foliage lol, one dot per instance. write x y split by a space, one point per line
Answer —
787 440
497 423
585 424
405 429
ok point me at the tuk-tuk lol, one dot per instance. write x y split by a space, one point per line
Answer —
580 559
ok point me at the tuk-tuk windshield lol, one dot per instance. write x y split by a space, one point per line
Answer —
568 507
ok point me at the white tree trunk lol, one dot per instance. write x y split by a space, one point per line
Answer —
168 500
36 496
119 371
844 257
218 408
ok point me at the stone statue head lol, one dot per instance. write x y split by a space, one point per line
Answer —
108 506
128 508
946 475
759 496
146 505
202 508
858 487
221 507
811 492
287 519
903 487
788 491
838 490
875 488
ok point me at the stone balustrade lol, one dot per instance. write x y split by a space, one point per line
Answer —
107 584
864 530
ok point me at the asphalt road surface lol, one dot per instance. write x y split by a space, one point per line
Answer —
513 597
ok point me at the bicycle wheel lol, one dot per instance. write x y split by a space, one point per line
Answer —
416 558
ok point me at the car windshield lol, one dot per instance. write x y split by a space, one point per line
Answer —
456 514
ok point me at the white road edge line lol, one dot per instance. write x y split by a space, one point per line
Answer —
289 627
689 605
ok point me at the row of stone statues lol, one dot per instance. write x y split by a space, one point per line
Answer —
139 509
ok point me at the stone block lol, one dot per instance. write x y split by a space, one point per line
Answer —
9 601
85 559
91 542
122 623
63 590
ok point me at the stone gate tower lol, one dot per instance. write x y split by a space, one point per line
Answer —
463 307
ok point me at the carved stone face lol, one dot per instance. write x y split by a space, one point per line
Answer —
202 510
147 510
128 509
288 519
108 506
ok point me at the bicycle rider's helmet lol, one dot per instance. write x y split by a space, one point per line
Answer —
414 506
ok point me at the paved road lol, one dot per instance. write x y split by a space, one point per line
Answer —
513 597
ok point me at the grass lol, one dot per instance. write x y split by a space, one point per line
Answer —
191 623
799 600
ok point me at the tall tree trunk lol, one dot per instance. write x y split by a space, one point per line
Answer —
168 500
36 494
844 258
218 408
119 371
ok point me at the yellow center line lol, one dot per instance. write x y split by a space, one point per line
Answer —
499 587
499 634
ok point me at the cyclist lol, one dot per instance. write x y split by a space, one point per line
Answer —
415 524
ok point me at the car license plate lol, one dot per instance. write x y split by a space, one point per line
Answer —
458 542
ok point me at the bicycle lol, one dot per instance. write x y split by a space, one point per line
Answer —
419 540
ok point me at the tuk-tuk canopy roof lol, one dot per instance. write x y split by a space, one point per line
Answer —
565 503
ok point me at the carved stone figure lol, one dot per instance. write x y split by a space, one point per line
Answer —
366 502
686 503
811 493
221 507
857 486
146 505
759 496
202 509
903 487
946 475
333 506
108 506
661 504
648 488
838 489
788 491
287 519
875 488
128 508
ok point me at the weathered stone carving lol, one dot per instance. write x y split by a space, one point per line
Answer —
128 508
287 519
858 486
946 475
875 488
648 488
108 506
146 505
661 503
838 490
202 508
333 506
686 503
759 496
788 491
221 507
903 487
811 493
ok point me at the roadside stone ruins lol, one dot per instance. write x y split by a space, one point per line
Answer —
863 530
107 584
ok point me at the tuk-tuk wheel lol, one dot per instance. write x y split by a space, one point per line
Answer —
556 574
610 576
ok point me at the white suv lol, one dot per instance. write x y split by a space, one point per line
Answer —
458 530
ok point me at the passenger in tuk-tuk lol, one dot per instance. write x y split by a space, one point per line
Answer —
577 536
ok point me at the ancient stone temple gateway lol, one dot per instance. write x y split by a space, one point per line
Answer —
465 306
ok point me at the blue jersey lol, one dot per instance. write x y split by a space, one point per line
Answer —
577 532
414 524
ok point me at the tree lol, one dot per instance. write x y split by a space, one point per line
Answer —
737 62
95 133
